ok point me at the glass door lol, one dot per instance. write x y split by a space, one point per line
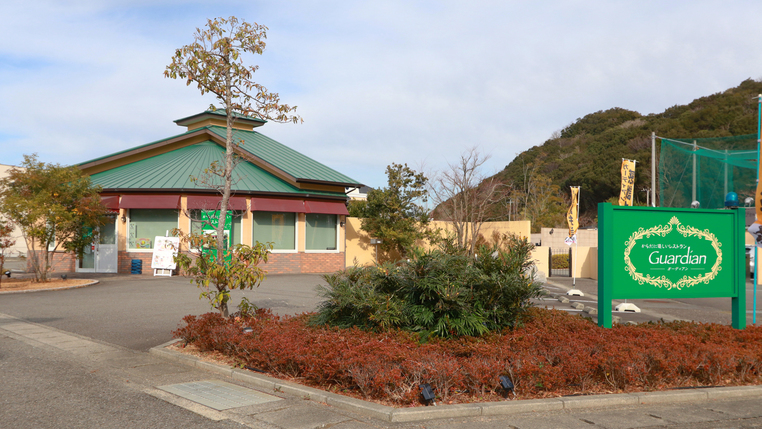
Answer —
86 261
106 254
100 256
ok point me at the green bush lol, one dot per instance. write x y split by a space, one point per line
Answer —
560 261
439 293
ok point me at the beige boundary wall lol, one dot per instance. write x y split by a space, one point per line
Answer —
587 260
554 237
359 250
540 258
522 228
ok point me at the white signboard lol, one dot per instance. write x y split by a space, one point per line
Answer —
164 252
755 230
571 240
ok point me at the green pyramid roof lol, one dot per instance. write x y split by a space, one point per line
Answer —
299 166
172 171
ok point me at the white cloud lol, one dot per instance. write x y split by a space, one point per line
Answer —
377 82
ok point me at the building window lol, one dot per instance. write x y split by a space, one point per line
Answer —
321 232
108 231
199 219
147 224
275 227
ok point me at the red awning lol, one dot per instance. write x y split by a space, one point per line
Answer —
277 205
326 207
150 202
111 202
201 202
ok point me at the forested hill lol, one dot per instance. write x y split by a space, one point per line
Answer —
588 152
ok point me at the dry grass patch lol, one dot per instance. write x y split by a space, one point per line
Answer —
29 284
552 354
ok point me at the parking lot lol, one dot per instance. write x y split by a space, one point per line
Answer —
140 312
703 310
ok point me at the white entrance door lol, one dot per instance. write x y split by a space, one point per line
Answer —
101 257
106 256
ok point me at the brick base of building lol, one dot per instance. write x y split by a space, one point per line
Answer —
60 262
278 263
124 262
304 263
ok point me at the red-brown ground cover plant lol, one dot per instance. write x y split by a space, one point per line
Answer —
551 354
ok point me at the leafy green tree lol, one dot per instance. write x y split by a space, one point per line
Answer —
56 207
394 214
217 273
544 204
589 151
214 62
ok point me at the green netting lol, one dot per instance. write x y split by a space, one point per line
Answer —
706 169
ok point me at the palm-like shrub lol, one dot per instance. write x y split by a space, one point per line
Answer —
436 292
360 296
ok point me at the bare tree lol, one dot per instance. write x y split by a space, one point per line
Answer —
214 61
466 197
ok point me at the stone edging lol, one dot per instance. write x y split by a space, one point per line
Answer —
93 282
412 414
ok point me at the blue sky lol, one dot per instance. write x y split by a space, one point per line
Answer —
414 82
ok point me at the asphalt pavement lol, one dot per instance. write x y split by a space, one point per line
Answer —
141 311
78 358
701 310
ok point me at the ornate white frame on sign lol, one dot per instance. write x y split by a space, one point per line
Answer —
663 230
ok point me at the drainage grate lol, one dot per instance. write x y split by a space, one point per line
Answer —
218 394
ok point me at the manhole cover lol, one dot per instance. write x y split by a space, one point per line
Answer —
218 394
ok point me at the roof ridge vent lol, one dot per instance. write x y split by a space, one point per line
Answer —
217 117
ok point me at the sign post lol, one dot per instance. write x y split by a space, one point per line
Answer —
652 253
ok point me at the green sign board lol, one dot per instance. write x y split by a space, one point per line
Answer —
209 219
650 253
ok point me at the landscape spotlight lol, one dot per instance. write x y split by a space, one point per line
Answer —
507 385
428 393
8 273
63 276
248 330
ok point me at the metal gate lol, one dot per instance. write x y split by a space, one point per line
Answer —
560 262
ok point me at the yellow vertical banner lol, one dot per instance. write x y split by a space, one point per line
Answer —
628 182
571 216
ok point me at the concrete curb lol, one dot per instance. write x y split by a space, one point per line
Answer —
94 282
414 414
